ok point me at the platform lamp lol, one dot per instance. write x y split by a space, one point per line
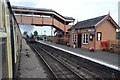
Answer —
44 35
44 32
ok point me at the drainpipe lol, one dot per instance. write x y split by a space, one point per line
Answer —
95 39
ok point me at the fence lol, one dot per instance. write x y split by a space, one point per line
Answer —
114 46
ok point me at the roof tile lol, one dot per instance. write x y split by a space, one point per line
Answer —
87 23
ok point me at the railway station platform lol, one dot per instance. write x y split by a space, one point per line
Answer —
0 65
108 59
30 67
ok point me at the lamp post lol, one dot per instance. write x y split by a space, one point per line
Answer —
45 35
44 32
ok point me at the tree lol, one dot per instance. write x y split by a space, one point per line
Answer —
35 33
25 33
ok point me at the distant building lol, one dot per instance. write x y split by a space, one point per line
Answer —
119 13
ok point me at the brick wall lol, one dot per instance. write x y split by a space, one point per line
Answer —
108 33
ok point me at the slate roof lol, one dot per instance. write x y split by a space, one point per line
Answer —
32 8
87 23
70 18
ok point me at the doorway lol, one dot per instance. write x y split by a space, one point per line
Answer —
79 40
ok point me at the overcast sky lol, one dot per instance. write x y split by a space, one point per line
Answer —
78 9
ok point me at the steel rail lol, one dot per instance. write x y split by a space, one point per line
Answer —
43 61
96 70
49 65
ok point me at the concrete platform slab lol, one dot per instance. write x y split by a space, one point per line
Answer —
30 67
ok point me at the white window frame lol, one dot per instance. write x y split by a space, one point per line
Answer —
74 36
85 36
99 36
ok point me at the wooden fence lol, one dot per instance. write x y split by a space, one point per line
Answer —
114 46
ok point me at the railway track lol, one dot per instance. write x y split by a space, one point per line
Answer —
95 70
58 69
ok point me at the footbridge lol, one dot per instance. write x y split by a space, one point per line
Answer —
42 17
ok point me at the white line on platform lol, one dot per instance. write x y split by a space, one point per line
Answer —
85 57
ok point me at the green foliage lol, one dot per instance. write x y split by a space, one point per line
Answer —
38 38
25 33
118 35
65 42
35 33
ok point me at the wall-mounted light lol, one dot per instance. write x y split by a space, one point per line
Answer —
91 37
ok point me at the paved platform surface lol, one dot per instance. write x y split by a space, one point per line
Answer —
30 67
0 63
105 58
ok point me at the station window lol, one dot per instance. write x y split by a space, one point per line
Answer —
2 15
85 38
99 36
74 38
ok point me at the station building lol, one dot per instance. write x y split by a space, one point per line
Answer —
90 33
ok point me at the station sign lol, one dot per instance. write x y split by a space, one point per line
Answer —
90 30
